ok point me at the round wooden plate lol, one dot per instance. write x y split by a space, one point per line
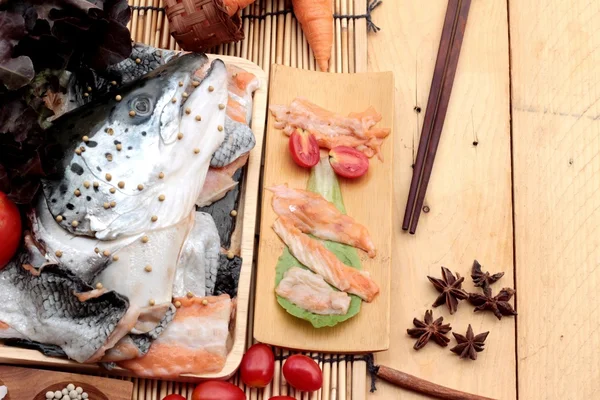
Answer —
94 393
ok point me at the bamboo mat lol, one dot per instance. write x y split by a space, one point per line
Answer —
273 39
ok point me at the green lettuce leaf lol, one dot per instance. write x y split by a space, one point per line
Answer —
324 182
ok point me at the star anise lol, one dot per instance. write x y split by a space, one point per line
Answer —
450 289
497 304
427 329
483 279
470 345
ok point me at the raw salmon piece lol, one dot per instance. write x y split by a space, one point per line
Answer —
195 342
319 259
311 213
310 292
219 182
327 125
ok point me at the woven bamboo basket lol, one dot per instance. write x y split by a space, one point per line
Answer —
198 25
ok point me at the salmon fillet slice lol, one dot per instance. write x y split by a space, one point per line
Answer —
310 291
319 259
195 342
328 126
312 214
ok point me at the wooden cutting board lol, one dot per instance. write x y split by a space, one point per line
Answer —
25 383
368 200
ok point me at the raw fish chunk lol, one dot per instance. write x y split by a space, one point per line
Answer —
319 259
310 292
312 214
195 342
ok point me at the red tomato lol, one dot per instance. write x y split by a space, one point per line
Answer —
258 366
304 148
174 397
303 373
10 229
282 398
217 390
348 162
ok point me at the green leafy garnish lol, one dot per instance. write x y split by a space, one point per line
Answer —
324 182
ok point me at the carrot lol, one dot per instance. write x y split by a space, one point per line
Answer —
316 18
233 6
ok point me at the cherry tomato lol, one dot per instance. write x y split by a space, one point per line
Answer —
348 162
174 397
282 398
217 390
10 229
303 373
258 366
304 148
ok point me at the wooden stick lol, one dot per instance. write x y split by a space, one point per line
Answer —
422 386
246 27
287 56
439 97
277 375
257 42
360 40
141 21
280 33
263 46
159 25
293 42
164 41
342 379
266 60
135 389
359 383
351 38
134 20
148 24
326 379
338 40
334 379
284 386
345 58
349 377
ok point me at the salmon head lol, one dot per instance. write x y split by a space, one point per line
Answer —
136 160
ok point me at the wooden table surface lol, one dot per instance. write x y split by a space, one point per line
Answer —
525 200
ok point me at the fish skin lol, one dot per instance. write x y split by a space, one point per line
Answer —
128 276
228 276
155 148
221 212
40 304
199 259
239 139
77 252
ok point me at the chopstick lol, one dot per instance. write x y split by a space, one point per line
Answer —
437 105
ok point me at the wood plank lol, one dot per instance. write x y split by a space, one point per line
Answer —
27 383
556 144
469 195
368 200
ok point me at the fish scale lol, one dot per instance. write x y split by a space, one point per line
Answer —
79 328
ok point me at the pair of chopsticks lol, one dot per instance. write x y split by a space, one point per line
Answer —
437 105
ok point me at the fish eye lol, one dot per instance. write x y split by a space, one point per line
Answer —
142 106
